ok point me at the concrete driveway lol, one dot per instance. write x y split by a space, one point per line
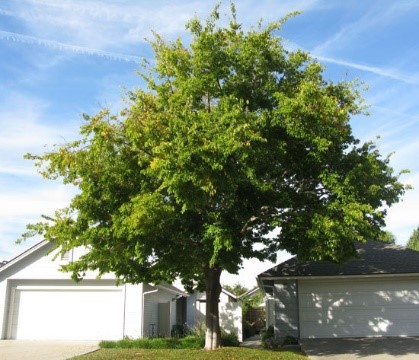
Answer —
44 350
362 348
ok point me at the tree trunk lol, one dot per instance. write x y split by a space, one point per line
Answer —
212 320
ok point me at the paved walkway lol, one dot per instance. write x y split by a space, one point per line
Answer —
362 348
44 350
252 342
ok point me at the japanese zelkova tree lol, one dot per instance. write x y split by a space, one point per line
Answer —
234 137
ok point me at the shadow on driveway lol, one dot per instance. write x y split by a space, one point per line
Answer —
406 348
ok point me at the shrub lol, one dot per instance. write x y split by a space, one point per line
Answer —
179 330
193 342
267 334
229 340
188 342
197 330
290 340
194 339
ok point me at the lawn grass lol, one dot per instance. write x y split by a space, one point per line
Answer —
227 353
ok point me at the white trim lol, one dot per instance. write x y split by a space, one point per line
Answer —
331 277
11 310
230 294
171 289
24 254
68 288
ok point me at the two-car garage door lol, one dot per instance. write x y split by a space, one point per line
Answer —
359 308
66 312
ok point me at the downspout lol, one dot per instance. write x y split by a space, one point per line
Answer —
142 312
125 305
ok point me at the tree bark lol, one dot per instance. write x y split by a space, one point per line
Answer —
212 320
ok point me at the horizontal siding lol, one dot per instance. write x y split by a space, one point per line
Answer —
354 308
286 309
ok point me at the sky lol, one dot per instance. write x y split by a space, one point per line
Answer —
62 58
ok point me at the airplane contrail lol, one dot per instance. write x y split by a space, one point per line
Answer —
11 36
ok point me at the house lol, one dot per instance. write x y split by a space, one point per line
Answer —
230 310
38 301
373 295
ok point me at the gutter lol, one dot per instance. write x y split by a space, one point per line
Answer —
331 277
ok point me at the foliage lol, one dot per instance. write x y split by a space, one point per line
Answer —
236 289
267 334
229 339
249 303
269 341
193 341
413 242
387 237
237 353
188 342
290 340
252 301
233 137
198 330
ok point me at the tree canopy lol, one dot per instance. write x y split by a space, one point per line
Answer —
413 242
388 237
234 136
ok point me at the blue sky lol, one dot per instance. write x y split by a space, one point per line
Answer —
62 58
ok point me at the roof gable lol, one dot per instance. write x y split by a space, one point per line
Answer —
375 258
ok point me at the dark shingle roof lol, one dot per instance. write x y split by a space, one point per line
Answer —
375 257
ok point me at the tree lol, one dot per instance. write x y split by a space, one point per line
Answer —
234 137
237 289
413 242
387 237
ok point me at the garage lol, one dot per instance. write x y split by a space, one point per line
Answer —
359 308
375 294
66 312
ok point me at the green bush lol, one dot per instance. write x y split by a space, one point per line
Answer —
193 342
267 337
188 342
290 340
229 340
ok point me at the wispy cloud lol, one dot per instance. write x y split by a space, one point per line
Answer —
389 73
98 25
377 16
10 36
21 206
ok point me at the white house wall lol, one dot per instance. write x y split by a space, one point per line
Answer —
133 311
37 271
230 313
286 309
153 295
231 318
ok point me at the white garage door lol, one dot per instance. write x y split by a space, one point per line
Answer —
70 313
359 308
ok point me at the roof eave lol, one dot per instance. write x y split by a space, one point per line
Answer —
325 277
24 254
